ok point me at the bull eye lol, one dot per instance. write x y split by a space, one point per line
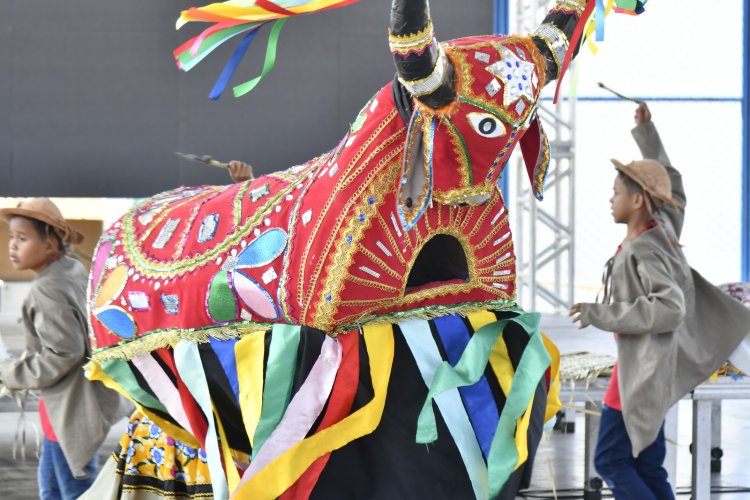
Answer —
486 125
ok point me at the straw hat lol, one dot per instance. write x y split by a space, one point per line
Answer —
44 210
652 176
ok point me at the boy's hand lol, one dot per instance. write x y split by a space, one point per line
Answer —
642 114
240 171
575 312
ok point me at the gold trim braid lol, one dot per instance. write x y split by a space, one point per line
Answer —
403 44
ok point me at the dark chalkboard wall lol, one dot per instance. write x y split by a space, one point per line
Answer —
92 104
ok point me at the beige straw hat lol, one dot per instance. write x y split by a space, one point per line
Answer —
44 210
652 176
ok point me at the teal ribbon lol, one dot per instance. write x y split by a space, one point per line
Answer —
277 386
427 356
534 361
188 362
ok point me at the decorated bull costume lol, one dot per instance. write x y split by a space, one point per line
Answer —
298 327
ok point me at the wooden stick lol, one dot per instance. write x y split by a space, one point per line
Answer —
619 94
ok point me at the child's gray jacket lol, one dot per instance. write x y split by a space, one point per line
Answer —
54 314
674 328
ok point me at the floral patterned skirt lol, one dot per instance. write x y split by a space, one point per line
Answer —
148 460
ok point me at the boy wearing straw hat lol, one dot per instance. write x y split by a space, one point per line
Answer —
674 329
76 413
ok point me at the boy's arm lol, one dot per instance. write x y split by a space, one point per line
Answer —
660 310
62 337
647 138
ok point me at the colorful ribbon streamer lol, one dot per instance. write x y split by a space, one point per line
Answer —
273 480
427 356
235 17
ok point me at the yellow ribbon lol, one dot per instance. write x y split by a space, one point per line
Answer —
249 352
553 394
254 13
503 369
591 26
280 474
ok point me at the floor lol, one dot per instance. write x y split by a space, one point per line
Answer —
559 463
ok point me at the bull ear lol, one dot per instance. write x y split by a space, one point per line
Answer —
536 154
423 68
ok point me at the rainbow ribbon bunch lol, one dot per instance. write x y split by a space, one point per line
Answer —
241 17
592 23
595 25
632 7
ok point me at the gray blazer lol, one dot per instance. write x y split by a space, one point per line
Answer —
674 328
54 314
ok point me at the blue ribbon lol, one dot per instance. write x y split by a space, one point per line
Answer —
224 350
427 356
477 398
234 61
599 20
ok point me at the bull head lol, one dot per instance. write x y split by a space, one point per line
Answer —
474 99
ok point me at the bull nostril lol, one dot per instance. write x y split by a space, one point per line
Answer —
408 203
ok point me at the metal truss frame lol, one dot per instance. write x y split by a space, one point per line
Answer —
545 232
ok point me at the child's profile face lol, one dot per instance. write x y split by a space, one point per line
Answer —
28 250
622 202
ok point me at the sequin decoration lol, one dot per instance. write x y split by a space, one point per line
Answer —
482 56
259 192
493 87
254 296
264 249
139 301
208 228
166 233
147 217
516 75
117 321
269 275
171 303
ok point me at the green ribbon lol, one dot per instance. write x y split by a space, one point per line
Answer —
119 371
627 4
277 386
273 41
188 61
534 361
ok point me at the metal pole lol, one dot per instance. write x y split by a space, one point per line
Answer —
501 25
746 142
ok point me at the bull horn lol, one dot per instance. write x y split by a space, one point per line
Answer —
558 38
423 68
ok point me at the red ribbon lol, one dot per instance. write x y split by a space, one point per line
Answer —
339 406
195 416
574 43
